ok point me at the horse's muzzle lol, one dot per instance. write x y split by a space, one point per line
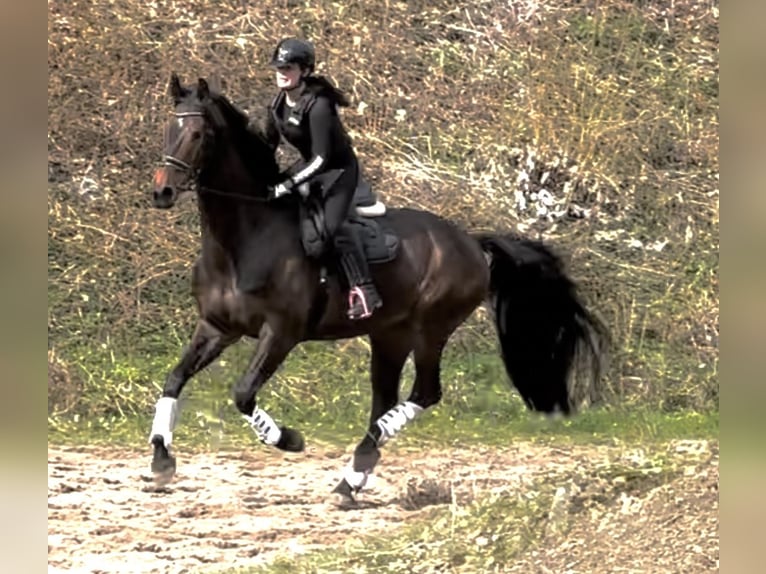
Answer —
164 198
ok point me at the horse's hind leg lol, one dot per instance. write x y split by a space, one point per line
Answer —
389 353
206 344
426 392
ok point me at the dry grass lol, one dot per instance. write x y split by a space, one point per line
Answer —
592 125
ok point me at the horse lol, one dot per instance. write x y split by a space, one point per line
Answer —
254 278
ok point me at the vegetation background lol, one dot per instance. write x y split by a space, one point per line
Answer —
591 125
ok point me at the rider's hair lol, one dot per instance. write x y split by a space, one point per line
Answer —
321 86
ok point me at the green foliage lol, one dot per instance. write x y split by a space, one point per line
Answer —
612 109
323 391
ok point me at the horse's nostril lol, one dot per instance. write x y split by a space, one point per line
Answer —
164 197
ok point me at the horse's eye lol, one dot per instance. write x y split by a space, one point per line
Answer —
196 135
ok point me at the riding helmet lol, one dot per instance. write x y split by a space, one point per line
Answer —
294 51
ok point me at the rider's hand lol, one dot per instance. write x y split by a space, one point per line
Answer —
283 188
303 189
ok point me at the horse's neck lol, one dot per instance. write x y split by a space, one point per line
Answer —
228 223
226 172
234 212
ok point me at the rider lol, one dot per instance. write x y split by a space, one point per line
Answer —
305 114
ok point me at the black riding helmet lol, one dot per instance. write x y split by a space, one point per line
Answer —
294 51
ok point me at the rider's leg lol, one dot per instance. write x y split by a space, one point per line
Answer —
363 296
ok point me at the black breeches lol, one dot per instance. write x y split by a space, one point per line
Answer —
338 199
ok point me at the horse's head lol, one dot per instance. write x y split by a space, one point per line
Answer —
201 120
185 135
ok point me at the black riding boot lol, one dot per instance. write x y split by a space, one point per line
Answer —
363 297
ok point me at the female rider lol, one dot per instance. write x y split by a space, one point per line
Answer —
305 114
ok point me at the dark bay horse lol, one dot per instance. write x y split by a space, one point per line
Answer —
551 344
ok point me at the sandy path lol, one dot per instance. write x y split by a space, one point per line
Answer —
237 509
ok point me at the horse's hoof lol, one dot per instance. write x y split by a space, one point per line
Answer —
342 496
163 465
164 476
291 440
342 502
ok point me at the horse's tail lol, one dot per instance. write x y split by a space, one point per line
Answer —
553 348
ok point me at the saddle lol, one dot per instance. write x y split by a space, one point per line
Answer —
381 244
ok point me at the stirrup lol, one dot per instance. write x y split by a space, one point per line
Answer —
358 307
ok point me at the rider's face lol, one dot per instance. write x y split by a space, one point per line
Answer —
289 76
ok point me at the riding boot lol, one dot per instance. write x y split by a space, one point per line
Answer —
363 297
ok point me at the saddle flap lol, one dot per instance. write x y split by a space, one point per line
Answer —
380 243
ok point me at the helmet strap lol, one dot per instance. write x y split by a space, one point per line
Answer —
294 94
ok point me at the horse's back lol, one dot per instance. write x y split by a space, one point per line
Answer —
438 259
418 226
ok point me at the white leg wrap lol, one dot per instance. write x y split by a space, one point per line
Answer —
356 479
264 426
165 417
394 420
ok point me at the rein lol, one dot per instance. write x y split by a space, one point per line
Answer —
201 189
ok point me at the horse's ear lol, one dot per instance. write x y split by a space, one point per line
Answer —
203 90
174 89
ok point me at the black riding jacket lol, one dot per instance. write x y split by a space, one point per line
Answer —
314 127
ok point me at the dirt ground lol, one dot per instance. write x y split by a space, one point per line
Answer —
233 509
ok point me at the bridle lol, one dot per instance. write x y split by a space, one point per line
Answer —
173 161
185 167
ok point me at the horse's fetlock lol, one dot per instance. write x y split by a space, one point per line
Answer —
245 402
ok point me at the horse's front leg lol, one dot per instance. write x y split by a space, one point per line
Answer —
206 345
273 347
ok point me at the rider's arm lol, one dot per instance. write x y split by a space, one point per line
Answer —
321 117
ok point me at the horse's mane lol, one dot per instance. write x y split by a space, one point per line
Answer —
250 142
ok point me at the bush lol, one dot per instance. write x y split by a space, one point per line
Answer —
592 127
